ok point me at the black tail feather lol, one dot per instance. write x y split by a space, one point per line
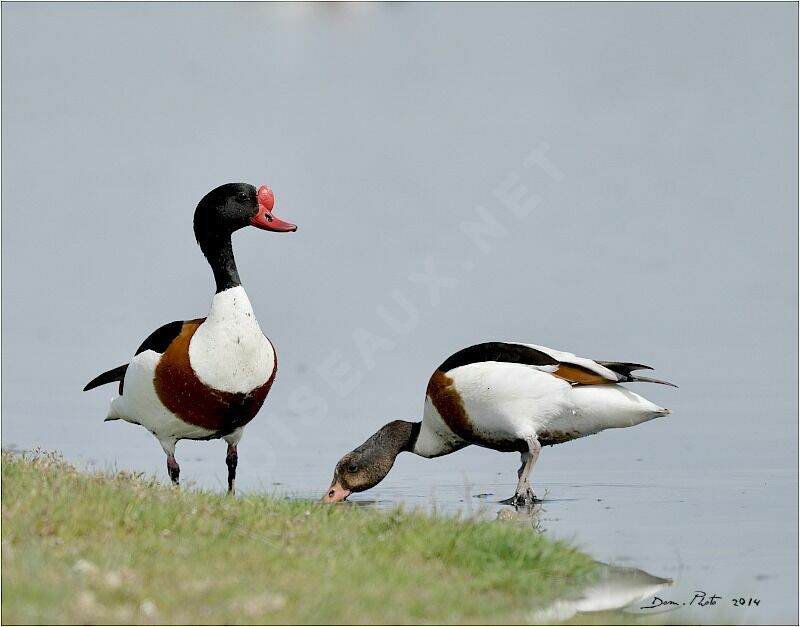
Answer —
649 380
115 374
623 367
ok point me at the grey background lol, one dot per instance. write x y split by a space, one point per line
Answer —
668 235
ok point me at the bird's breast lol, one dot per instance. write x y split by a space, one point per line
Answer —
193 400
229 352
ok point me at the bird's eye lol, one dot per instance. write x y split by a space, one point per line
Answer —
352 468
242 196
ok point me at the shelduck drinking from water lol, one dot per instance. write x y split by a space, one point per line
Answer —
206 378
507 397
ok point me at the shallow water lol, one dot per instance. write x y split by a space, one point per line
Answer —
661 229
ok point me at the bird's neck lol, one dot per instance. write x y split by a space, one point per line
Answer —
395 437
219 253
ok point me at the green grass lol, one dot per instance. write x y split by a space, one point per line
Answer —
102 548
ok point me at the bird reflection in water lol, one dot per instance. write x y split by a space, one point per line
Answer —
609 588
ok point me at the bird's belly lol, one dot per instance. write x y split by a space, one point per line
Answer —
508 430
569 425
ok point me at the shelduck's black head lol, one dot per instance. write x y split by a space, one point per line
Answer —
224 210
233 206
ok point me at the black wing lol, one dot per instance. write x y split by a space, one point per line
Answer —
162 337
622 367
520 354
157 341
498 351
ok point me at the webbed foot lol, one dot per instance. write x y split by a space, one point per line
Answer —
523 500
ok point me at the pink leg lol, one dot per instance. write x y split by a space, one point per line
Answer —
231 459
173 469
525 496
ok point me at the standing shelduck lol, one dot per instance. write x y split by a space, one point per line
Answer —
507 397
206 378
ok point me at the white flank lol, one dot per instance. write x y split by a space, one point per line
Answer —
508 401
140 405
228 351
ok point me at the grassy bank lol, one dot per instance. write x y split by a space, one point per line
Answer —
97 548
